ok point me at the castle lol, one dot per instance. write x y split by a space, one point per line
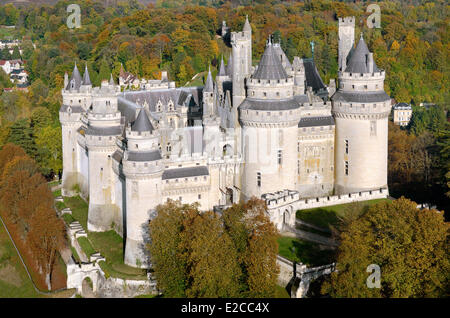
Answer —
253 131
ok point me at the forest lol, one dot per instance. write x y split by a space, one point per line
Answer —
182 37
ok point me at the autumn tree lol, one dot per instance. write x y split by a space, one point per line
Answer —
46 238
167 257
213 270
411 246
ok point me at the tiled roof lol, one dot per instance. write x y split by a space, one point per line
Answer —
105 131
185 172
144 156
269 105
312 76
316 121
363 97
142 123
270 67
358 62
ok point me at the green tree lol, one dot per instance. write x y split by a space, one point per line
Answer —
48 141
21 135
411 246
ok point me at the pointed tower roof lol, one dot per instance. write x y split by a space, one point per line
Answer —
247 27
222 68
359 59
230 65
75 78
86 78
111 80
122 72
270 67
209 86
142 123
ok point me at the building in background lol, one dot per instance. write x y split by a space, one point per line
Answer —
401 114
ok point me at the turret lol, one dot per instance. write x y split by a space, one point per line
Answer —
208 96
142 167
346 40
242 61
361 109
104 126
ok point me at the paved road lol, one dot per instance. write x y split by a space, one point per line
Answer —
308 236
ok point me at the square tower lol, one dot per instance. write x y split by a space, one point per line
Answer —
346 40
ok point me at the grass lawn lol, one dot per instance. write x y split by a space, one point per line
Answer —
86 246
14 281
328 215
79 209
306 252
60 206
281 292
75 254
57 193
110 245
68 218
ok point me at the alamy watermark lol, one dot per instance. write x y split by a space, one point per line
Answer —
374 20
74 19
374 279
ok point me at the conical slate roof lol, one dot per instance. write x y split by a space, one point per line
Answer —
75 79
359 59
270 67
86 78
142 123
209 86
111 80
222 68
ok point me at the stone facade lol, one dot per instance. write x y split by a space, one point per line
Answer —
252 131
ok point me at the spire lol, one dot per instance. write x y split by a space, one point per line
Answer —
222 68
230 65
247 27
209 86
142 123
111 80
75 79
270 67
86 78
66 80
122 72
361 59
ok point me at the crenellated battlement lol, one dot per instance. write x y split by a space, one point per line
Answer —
347 21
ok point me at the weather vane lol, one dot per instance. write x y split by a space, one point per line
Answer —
312 48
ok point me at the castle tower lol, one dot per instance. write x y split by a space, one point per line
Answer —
221 77
102 130
208 96
361 109
269 118
242 61
73 105
143 168
346 40
299 76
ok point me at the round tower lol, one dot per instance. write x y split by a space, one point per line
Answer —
101 134
361 109
143 168
76 98
269 118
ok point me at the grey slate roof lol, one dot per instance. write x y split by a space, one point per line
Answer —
222 71
316 121
106 131
142 123
312 75
75 78
301 99
269 105
75 109
86 78
363 97
111 80
209 86
270 67
144 156
358 62
185 172
283 58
